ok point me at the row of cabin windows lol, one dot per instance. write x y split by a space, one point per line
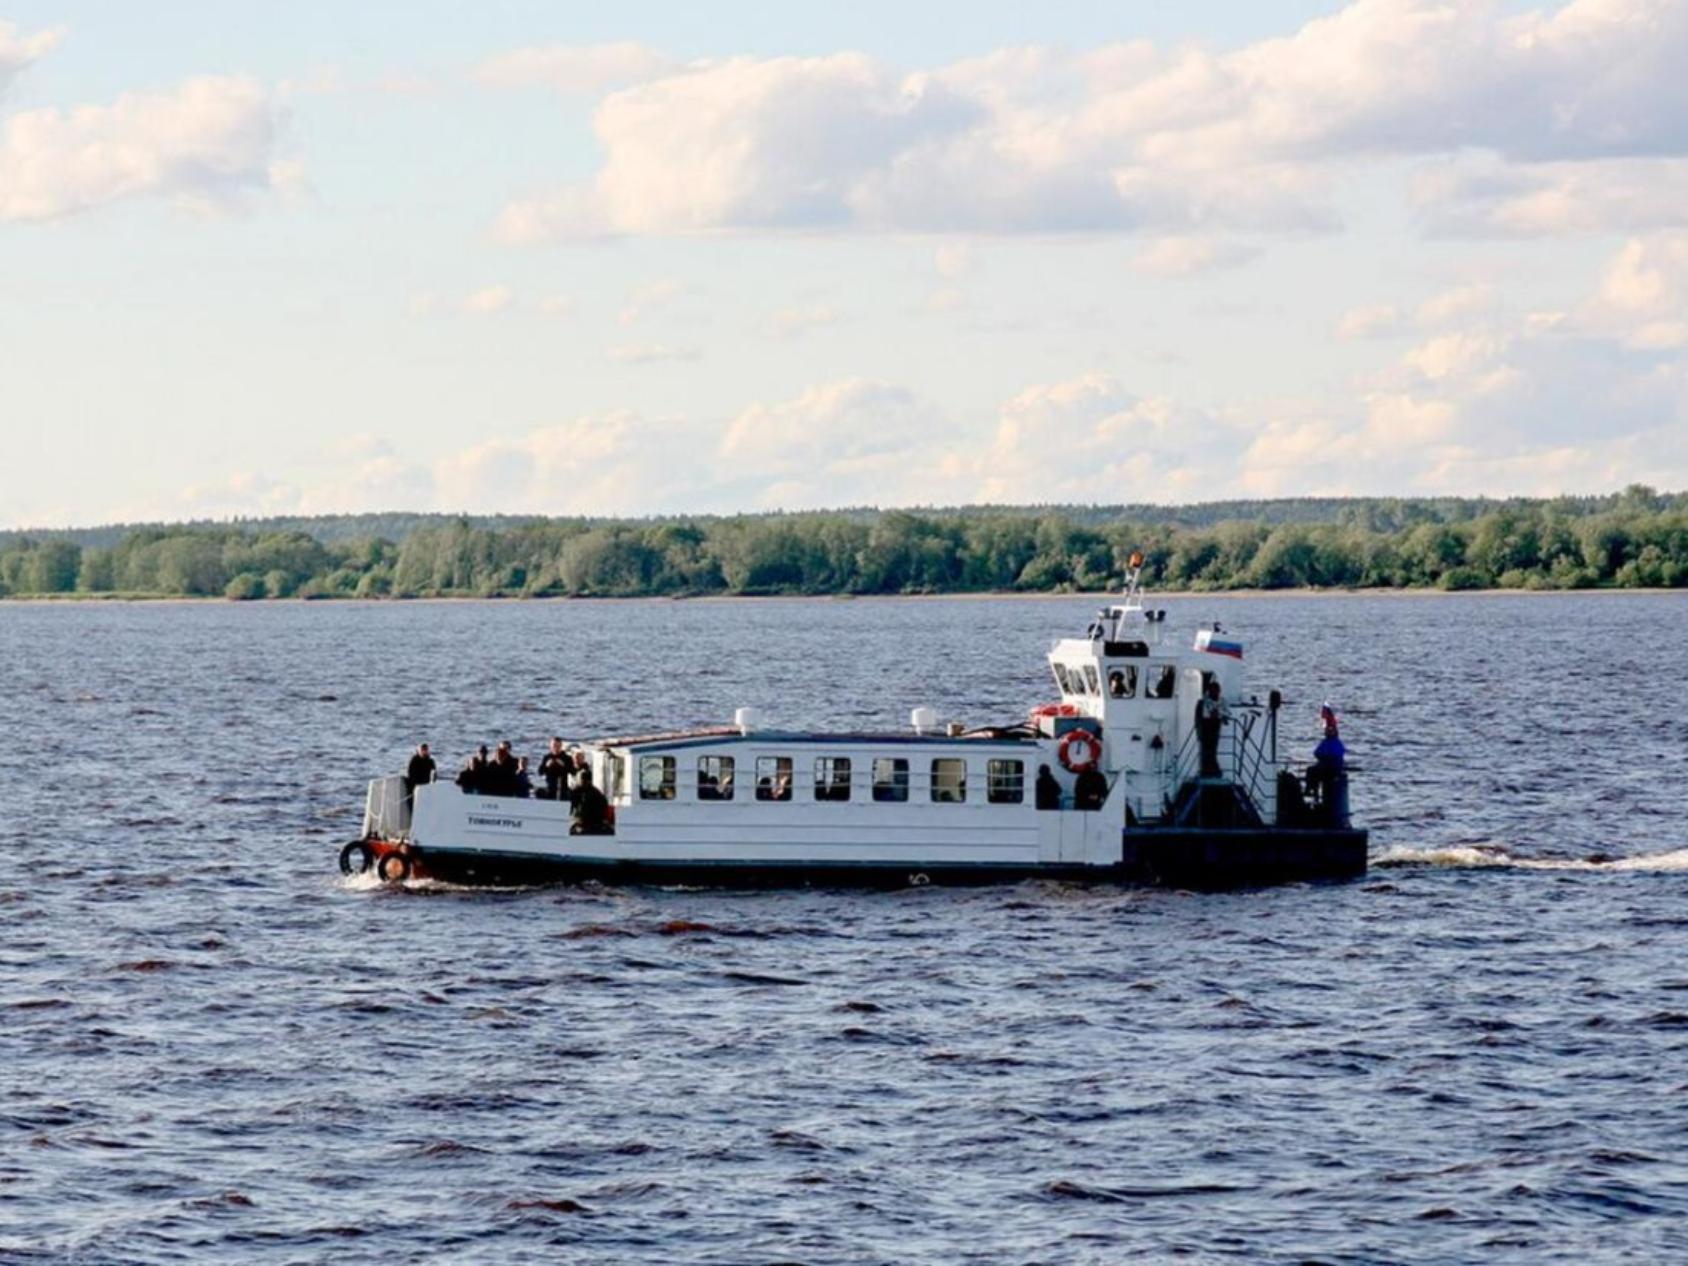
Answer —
1005 780
1159 680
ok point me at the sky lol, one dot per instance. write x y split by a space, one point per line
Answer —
556 258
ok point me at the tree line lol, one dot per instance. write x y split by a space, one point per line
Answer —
1637 539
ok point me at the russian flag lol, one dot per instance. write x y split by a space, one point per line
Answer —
1209 641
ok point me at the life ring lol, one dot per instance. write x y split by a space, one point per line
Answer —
1055 710
394 868
1079 751
359 850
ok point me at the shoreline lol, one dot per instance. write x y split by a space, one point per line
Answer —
81 599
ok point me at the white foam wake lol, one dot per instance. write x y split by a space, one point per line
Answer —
1476 856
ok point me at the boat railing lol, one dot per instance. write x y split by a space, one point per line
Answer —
386 809
1246 754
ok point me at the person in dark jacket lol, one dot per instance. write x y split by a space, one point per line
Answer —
1090 789
523 781
1210 719
591 809
555 767
1048 789
469 778
473 777
419 771
501 771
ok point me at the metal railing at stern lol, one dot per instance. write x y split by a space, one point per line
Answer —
386 809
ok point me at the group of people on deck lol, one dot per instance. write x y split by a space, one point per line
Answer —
564 774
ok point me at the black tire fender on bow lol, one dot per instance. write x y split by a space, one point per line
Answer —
355 858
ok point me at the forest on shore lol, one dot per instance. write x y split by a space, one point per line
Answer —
1634 539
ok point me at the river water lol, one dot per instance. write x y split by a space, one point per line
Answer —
213 1048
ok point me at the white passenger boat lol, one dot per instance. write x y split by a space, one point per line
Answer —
752 804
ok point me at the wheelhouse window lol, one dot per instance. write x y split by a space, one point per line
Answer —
1005 781
1063 683
773 777
890 778
714 777
656 778
1163 680
832 778
949 780
1092 682
1122 682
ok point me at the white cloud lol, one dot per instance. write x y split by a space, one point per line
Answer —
1482 195
1449 354
19 51
1369 321
1091 439
206 144
794 321
651 297
591 465
1643 296
841 443
954 260
573 68
1183 256
1129 137
489 300
1461 301
651 353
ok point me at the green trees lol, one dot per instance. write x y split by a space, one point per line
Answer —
1636 539
44 567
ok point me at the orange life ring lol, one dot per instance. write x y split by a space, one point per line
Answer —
1055 710
1079 750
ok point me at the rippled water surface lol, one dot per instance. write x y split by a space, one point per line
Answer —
212 1048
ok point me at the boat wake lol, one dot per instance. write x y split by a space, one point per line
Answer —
1497 857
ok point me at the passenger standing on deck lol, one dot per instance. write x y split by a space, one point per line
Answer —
555 767
1048 789
1210 719
522 782
1090 789
419 771
1330 757
501 771
582 770
591 809
472 778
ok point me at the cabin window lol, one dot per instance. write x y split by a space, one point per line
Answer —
832 778
1163 680
1122 682
714 777
618 777
890 778
773 777
1005 781
656 778
949 780
1062 682
1092 682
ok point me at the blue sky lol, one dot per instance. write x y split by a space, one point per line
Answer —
567 258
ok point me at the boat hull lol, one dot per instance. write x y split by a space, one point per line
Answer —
1203 860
